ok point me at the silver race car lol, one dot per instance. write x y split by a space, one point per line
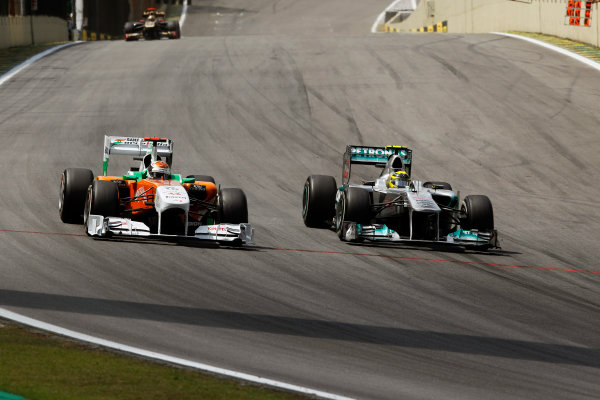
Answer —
394 207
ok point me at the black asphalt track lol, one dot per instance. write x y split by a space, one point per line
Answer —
260 96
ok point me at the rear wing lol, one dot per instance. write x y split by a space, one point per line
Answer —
154 11
137 148
377 156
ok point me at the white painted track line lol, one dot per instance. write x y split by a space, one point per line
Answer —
162 357
6 76
560 50
183 14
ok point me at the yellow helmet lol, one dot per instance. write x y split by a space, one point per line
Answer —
398 179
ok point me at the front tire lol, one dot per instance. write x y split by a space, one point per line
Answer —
74 183
318 200
102 199
233 206
128 27
479 213
355 206
173 26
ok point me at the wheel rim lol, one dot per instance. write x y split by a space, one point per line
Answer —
305 200
61 196
87 207
339 213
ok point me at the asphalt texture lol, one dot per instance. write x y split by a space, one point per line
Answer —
261 97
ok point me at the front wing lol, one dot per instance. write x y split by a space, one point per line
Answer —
351 231
100 226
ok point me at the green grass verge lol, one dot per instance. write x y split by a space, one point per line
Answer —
583 49
41 366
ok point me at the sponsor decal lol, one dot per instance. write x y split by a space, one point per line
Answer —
424 202
371 151
140 191
197 188
220 229
136 141
173 194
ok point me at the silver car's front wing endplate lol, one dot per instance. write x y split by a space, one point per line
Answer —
100 226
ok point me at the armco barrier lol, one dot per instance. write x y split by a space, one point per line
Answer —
16 31
481 16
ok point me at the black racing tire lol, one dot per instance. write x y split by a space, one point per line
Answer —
173 26
202 178
479 213
233 206
355 206
74 183
318 200
102 199
438 185
128 27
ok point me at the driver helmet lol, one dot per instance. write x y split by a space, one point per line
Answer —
159 170
398 179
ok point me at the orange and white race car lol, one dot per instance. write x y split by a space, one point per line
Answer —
150 201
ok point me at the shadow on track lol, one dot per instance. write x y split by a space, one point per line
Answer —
347 332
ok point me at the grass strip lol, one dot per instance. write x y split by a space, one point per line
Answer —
583 49
13 56
42 366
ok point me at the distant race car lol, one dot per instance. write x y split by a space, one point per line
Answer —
151 202
394 207
152 26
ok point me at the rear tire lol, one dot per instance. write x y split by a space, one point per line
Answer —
479 213
355 207
129 27
438 185
74 183
318 200
233 206
202 178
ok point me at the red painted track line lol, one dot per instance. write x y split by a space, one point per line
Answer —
582 271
